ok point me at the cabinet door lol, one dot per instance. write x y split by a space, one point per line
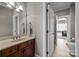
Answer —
14 55
33 44
9 51
0 53
17 54
20 53
28 52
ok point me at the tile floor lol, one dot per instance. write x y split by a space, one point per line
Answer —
61 49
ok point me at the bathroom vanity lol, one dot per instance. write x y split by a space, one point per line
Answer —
14 23
24 47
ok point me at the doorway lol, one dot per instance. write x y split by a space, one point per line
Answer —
58 31
61 49
50 27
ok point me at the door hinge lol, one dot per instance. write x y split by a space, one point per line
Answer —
47 52
47 31
47 10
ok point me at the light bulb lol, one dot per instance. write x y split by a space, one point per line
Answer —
17 9
20 7
9 6
12 3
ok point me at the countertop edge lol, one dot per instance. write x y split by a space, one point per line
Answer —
16 43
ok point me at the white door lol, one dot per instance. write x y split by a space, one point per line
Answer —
50 31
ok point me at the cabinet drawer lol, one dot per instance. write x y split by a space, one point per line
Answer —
8 51
22 45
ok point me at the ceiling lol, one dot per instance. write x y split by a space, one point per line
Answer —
62 20
56 6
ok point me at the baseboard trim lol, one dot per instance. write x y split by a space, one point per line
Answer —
36 55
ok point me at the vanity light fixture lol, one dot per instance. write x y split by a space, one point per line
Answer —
11 3
8 5
15 5
17 9
20 7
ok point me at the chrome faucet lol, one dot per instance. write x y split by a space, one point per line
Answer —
16 37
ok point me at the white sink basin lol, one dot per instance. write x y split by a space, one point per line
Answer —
18 40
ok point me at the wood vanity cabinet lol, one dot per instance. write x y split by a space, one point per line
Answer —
28 52
25 49
9 51
30 49
0 53
17 54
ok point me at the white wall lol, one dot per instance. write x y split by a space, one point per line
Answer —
5 21
36 15
71 22
77 29
62 12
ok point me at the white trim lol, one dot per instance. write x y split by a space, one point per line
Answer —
44 29
76 28
36 55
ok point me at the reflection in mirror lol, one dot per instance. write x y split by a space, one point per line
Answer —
8 26
23 28
16 26
5 22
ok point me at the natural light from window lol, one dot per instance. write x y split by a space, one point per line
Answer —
62 26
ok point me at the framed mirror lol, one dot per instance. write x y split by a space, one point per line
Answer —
6 26
16 25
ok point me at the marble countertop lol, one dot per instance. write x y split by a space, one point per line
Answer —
10 42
